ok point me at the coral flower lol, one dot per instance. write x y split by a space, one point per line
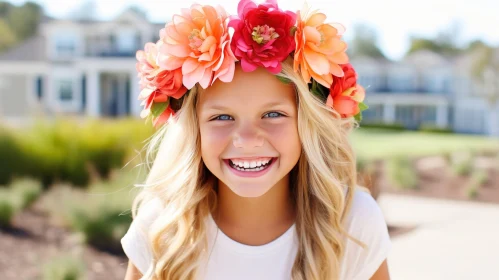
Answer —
197 41
319 49
157 84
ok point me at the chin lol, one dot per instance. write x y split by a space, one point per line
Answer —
249 189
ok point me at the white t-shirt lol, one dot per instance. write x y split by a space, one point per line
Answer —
273 261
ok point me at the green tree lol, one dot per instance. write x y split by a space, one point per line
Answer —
365 42
446 42
8 38
24 20
5 8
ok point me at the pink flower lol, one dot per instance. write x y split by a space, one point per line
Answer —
157 84
197 41
262 35
319 49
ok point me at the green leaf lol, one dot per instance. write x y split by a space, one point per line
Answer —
158 108
284 80
358 117
363 106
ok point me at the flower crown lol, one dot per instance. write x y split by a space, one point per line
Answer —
196 48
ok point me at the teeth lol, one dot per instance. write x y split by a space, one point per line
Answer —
250 166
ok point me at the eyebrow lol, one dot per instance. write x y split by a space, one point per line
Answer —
267 105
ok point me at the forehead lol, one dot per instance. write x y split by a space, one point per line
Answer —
246 89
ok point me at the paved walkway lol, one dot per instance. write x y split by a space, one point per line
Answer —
453 240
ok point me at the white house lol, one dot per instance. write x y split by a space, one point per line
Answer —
76 68
88 68
425 88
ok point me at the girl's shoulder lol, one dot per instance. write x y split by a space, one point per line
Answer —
366 223
135 241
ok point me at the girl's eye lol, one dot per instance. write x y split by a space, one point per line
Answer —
273 115
223 118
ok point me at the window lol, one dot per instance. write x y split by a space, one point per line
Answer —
65 90
127 41
65 44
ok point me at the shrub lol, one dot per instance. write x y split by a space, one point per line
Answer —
480 177
401 172
69 151
64 268
431 128
462 165
387 126
10 154
9 207
27 189
100 212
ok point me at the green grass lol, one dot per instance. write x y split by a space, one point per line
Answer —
372 143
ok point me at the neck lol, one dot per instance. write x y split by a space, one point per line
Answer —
255 220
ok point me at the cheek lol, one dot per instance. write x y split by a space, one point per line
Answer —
213 142
285 138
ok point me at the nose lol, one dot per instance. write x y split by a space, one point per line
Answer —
248 136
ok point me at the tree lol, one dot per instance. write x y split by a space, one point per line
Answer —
8 37
446 42
24 20
365 42
485 72
138 11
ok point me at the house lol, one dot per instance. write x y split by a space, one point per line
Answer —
426 88
76 68
88 68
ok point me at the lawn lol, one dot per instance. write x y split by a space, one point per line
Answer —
380 144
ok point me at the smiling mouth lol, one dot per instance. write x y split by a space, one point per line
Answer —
251 165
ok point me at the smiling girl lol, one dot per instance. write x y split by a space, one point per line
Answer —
253 176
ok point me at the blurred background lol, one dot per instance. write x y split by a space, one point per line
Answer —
71 140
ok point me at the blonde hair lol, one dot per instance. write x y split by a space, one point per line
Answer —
325 177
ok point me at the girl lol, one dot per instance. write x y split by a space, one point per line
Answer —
253 176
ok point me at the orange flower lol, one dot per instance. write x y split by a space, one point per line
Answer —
319 49
198 41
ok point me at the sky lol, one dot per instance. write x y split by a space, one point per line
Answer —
394 20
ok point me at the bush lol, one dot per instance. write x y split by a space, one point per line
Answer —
480 177
9 207
27 189
10 153
99 212
64 268
462 165
387 126
70 151
401 173
431 128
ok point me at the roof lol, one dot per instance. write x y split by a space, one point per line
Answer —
32 49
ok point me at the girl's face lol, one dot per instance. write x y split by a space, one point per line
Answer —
249 134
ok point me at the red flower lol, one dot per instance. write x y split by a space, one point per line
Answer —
262 35
345 94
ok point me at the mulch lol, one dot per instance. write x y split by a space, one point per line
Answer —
34 240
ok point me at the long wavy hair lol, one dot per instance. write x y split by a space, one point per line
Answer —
324 182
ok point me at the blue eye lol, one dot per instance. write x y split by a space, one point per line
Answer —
223 118
273 115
